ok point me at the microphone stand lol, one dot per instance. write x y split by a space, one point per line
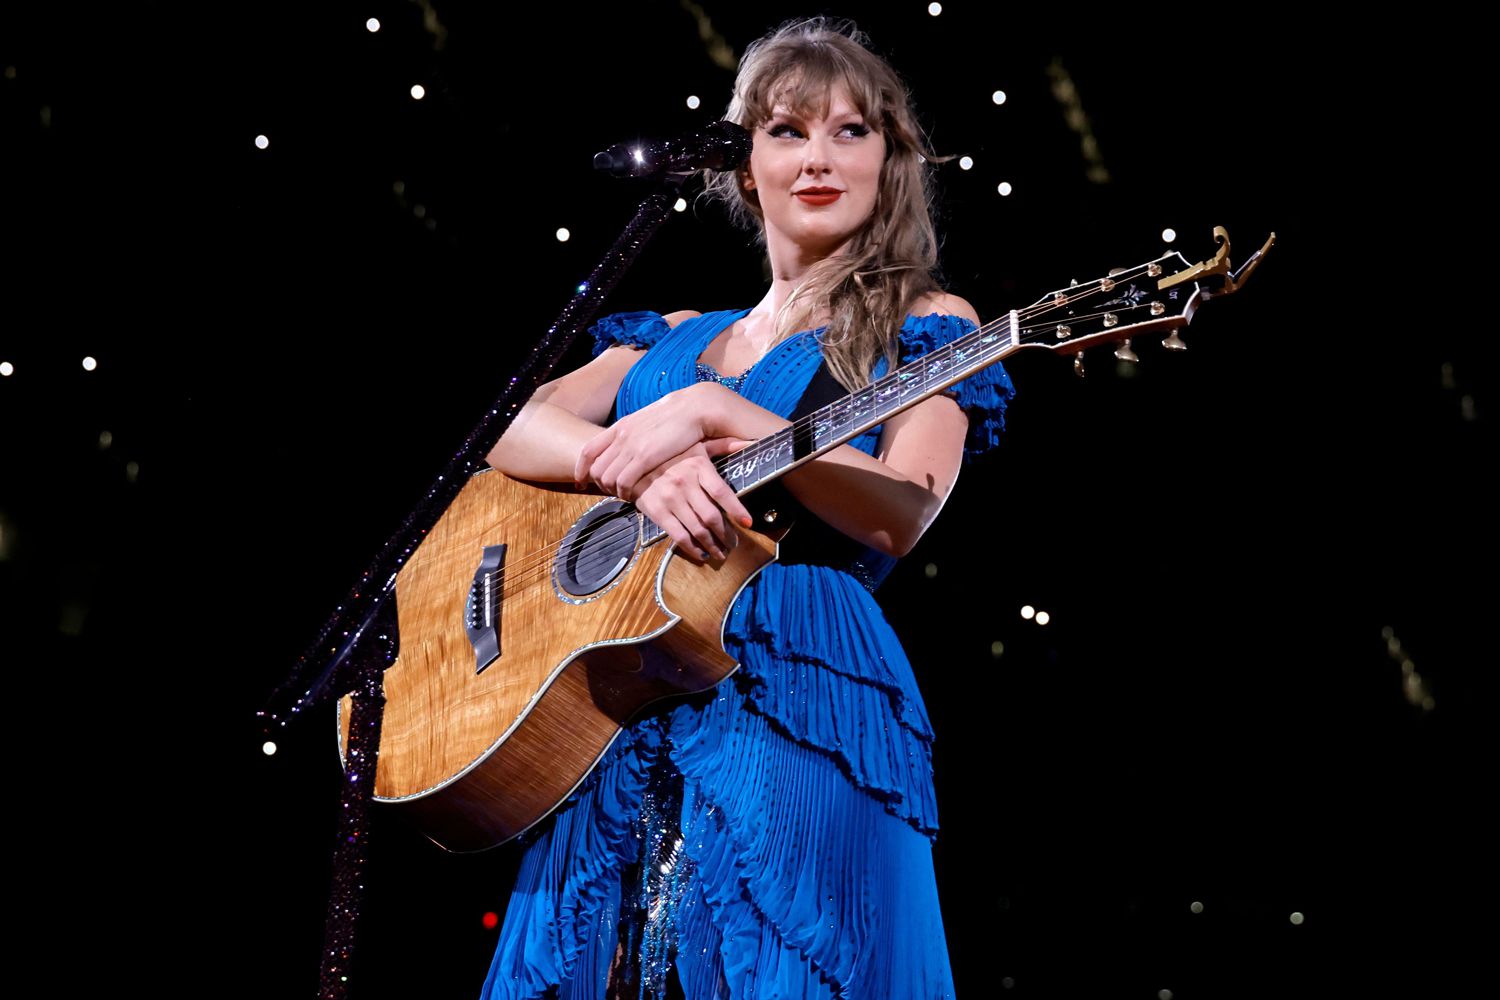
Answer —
360 640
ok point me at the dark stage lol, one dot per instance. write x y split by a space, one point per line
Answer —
1238 760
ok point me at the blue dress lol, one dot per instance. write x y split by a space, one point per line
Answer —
771 837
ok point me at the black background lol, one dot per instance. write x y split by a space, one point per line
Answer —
288 350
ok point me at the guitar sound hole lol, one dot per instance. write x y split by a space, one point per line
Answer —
598 546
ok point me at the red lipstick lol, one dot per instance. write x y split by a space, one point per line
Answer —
819 195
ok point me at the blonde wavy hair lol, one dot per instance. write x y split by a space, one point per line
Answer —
866 291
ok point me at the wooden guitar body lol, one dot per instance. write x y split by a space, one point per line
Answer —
477 755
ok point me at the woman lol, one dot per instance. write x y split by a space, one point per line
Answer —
770 837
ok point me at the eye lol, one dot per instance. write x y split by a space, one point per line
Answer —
856 129
780 129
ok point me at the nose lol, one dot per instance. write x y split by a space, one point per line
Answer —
816 156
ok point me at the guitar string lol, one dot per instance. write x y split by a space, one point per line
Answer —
623 522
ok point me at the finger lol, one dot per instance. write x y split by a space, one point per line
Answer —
687 546
724 445
592 449
711 520
723 495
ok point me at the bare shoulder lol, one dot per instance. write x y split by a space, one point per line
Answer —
677 317
945 303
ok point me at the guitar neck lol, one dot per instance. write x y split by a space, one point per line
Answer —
845 419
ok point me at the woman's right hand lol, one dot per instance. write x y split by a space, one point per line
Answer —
687 498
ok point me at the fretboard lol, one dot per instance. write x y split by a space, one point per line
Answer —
844 419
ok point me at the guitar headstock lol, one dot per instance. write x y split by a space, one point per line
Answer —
1160 295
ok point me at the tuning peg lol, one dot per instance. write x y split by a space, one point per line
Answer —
1174 342
1124 353
1078 364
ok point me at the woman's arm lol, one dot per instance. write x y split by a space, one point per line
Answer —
886 502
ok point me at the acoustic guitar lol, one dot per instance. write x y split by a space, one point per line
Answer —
535 621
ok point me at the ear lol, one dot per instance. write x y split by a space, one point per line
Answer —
747 182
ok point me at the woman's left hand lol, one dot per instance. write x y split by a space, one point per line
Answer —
622 454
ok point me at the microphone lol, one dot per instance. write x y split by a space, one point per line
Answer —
720 146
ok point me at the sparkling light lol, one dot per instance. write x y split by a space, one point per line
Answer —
491 920
680 205
966 163
1163 995
1004 188
1197 907
1043 618
931 570
693 101
1008 983
1028 612
89 364
372 25
562 235
997 649
998 97
105 439
261 142
6 368
1168 235
132 471
268 748
1296 918
418 91
934 9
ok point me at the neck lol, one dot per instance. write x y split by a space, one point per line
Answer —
790 264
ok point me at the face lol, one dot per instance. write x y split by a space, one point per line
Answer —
816 177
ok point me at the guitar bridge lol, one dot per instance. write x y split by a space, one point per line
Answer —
482 611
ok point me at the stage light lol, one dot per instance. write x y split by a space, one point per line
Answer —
997 649
1006 982
132 471
966 163
1043 618
1168 235
1196 907
693 101
6 368
562 235
680 204
1004 188
89 364
105 440
934 9
1296 918
1028 612
261 142
268 748
372 25
418 91
930 570
1163 995
998 97
491 920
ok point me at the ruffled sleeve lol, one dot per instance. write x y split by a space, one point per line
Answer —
628 329
983 395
